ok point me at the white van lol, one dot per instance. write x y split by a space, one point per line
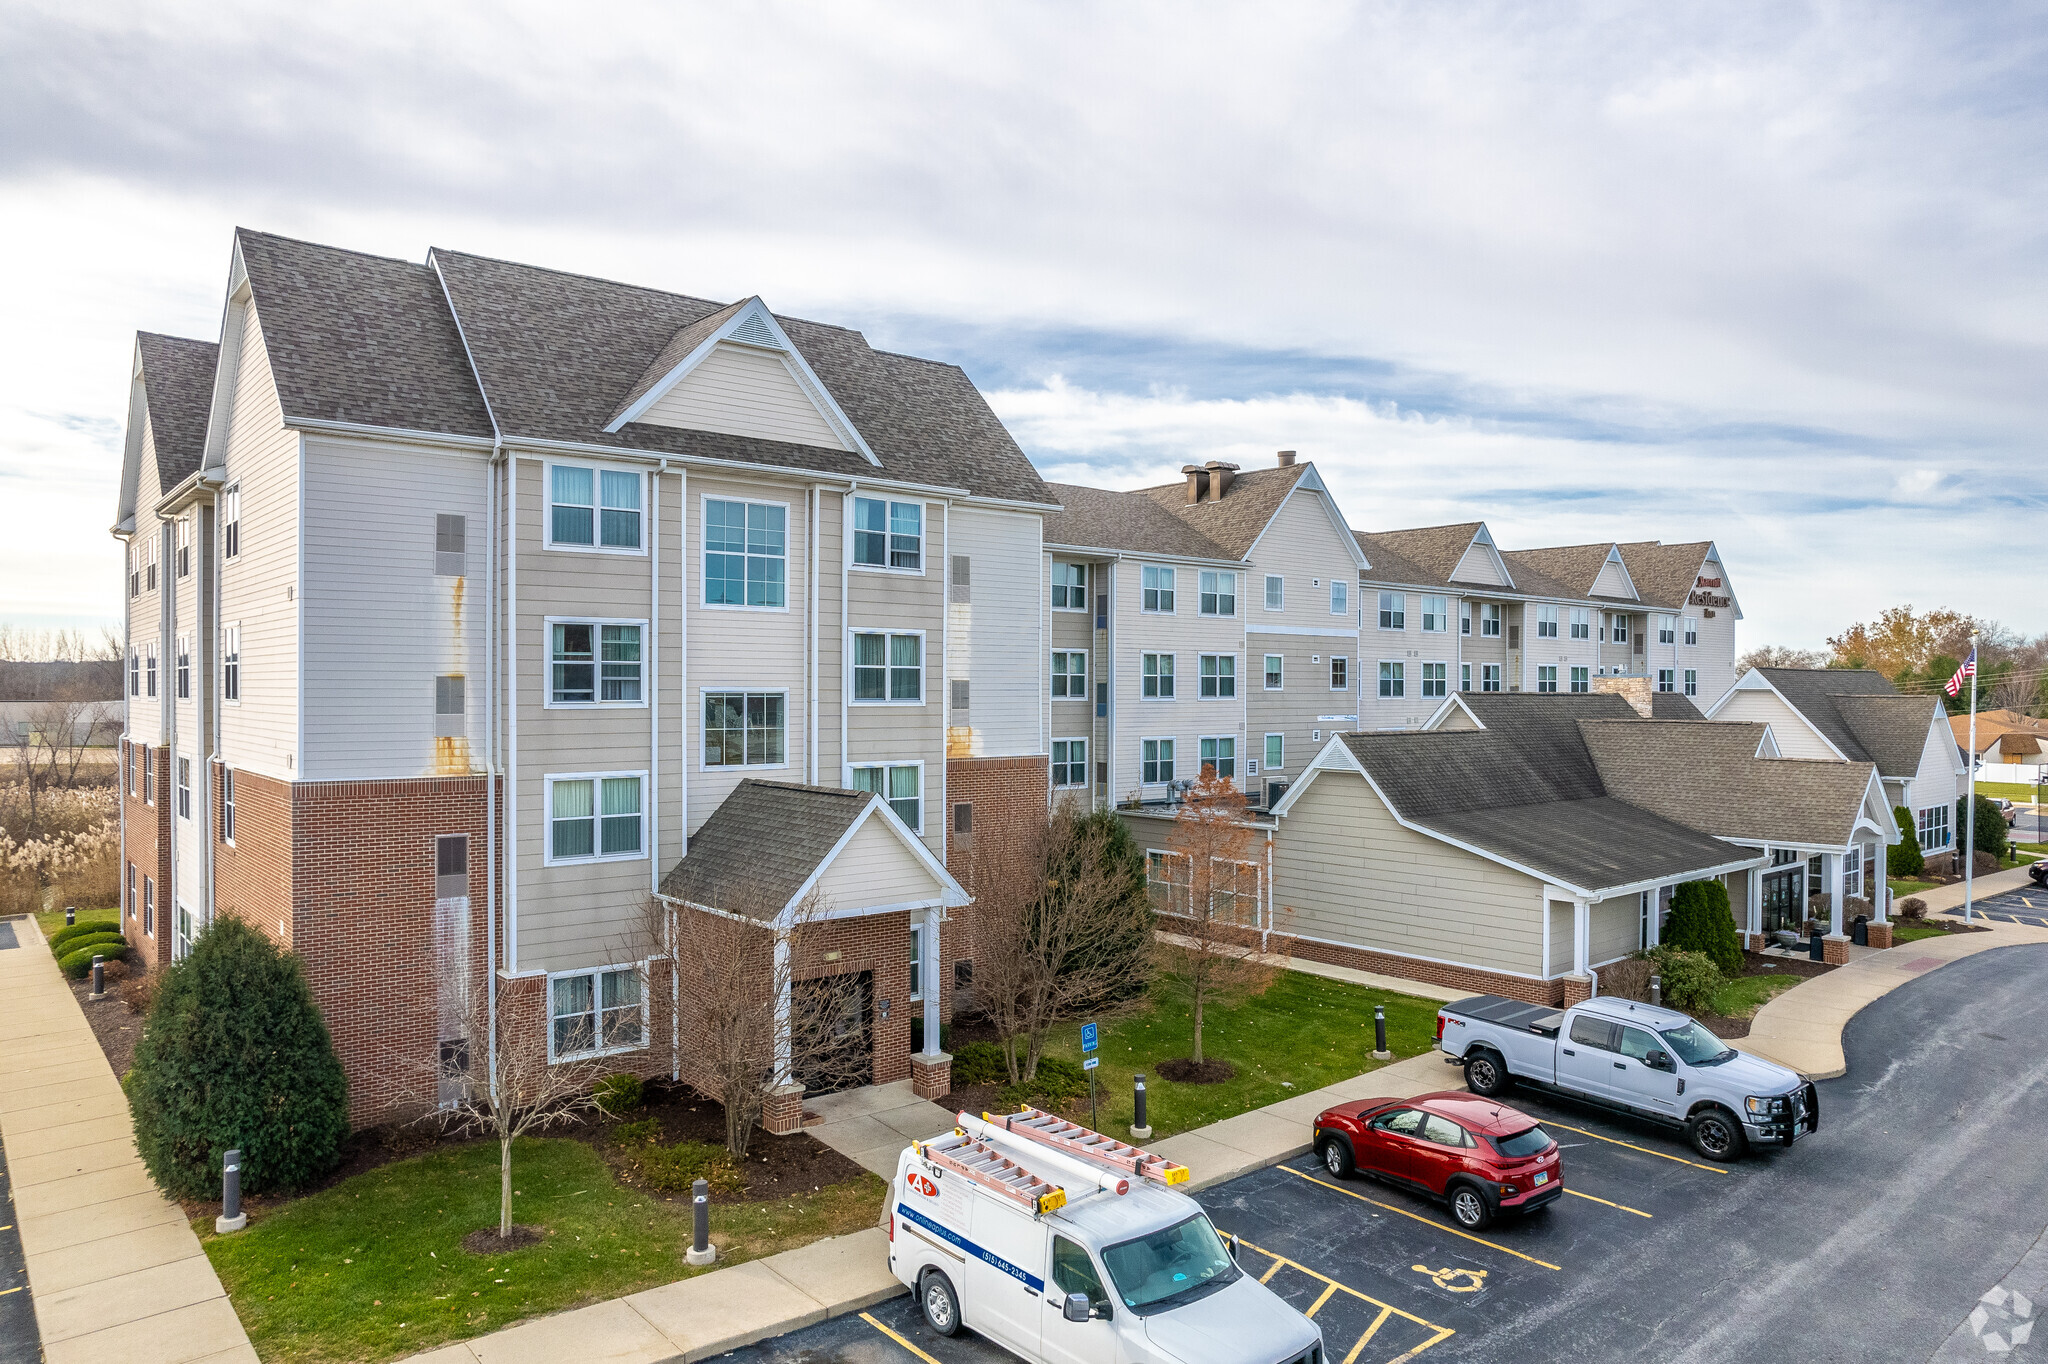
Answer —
1069 1247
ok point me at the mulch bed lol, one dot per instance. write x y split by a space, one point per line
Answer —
1762 964
114 1025
487 1241
1945 924
1186 1071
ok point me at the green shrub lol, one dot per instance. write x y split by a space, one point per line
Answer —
65 935
1702 922
1628 978
637 1133
1991 830
673 1169
1122 956
1904 860
77 960
235 1054
1057 1081
1689 979
620 1093
980 1063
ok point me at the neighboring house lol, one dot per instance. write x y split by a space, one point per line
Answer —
2011 746
463 595
1855 715
1212 622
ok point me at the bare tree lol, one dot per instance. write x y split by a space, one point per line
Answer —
1210 945
1781 656
756 1005
1057 909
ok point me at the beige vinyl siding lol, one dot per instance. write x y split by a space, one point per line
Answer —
898 732
187 618
1563 653
1611 581
1478 649
1624 656
1941 775
142 717
741 391
1068 717
1714 655
1561 912
1478 565
1302 546
874 868
381 626
994 637
1345 871
1796 738
259 586
1187 634
1296 710
1614 929
831 633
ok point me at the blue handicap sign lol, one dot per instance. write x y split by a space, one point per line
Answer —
1087 1037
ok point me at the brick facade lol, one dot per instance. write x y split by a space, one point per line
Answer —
252 877
1002 792
146 846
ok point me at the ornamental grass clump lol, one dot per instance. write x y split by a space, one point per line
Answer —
236 1055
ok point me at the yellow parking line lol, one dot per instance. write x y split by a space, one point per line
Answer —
1374 1330
1268 1275
1426 1221
1711 1169
870 1320
1317 1305
1590 1199
1443 1333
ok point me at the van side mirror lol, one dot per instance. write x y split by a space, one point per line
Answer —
1076 1308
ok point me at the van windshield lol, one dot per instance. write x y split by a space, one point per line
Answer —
1169 1266
1698 1047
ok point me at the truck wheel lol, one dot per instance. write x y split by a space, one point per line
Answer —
1336 1158
1469 1208
941 1305
1715 1134
1486 1075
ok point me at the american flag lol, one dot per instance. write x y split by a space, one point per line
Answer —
1969 669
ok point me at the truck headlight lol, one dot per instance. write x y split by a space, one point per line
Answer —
1760 1107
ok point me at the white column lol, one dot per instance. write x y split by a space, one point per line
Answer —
1756 899
783 986
1831 881
1656 895
928 965
1582 938
1880 891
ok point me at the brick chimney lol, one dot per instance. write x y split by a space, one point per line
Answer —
1287 459
1220 475
1634 690
1198 481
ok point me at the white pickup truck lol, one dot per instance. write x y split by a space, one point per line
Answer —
1638 1058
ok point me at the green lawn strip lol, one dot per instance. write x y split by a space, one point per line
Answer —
373 1268
1905 932
1302 1033
2011 790
50 920
1911 887
1744 995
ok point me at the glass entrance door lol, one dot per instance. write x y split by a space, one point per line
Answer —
1785 900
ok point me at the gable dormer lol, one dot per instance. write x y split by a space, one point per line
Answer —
1482 562
737 373
1711 588
1613 579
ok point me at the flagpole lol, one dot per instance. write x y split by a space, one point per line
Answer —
1970 848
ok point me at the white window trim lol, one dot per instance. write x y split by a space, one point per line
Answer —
1051 582
1235 677
1543 668
1266 592
1499 677
1691 681
1166 855
846 780
547 819
231 518
923 666
924 537
1400 608
704 501
1572 683
1084 696
1219 574
1551 619
1496 620
639 968
923 941
1173 739
745 690
231 633
1920 825
1157 653
1145 610
227 805
1464 676
1346 658
1422 679
1236 758
1086 780
1265 672
1400 663
547 654
1266 748
598 470
1339 587
1443 617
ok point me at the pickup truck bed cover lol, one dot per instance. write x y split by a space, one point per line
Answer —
1540 1019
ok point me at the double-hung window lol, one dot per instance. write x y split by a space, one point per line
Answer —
1219 593
1464 618
1220 755
1489 677
1546 678
593 508
1069 762
231 522
1667 629
1618 626
746 548
227 805
1157 586
1489 619
744 729
1393 679
1069 586
231 663
1340 598
594 816
1276 592
1436 615
1276 752
1393 610
1070 674
155 543
1933 829
1158 672
184 544
888 534
1234 891
1169 876
1340 673
184 788
1546 622
1692 629
1464 677
594 663
1582 623
1275 668
900 784
1156 756
1692 681
888 667
1435 680
1219 676
1667 679
149 669
184 665
591 1012
134 671
1581 681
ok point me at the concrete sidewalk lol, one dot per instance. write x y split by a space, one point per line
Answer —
113 1266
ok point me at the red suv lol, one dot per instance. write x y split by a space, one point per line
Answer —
1478 1156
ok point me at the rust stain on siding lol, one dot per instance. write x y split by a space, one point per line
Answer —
460 584
960 741
451 756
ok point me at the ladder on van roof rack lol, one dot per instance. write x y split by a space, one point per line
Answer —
985 1165
1051 1130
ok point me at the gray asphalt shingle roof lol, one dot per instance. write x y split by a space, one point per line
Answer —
762 843
1572 567
1426 556
177 383
1664 574
1861 713
1593 844
1161 520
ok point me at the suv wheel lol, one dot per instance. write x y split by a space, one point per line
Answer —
1484 1074
941 1305
1469 1208
1336 1158
1715 1134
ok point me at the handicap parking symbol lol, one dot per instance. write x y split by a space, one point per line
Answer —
1454 1280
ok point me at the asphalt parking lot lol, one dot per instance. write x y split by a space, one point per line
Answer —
2027 905
1871 1240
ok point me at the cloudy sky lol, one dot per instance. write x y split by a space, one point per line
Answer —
1767 274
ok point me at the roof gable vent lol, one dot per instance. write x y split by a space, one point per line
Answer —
753 331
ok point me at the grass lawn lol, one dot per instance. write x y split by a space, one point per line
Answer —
2011 790
49 921
1904 932
1744 995
1912 887
373 1268
1302 1033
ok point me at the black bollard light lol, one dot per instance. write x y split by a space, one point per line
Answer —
1140 1128
700 1252
1657 990
231 1218
99 976
1379 1034
70 915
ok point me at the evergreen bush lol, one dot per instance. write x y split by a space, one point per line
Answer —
235 1055
1124 958
673 1169
78 954
76 931
1057 1081
1903 859
1702 922
1991 829
619 1093
1688 979
980 1063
